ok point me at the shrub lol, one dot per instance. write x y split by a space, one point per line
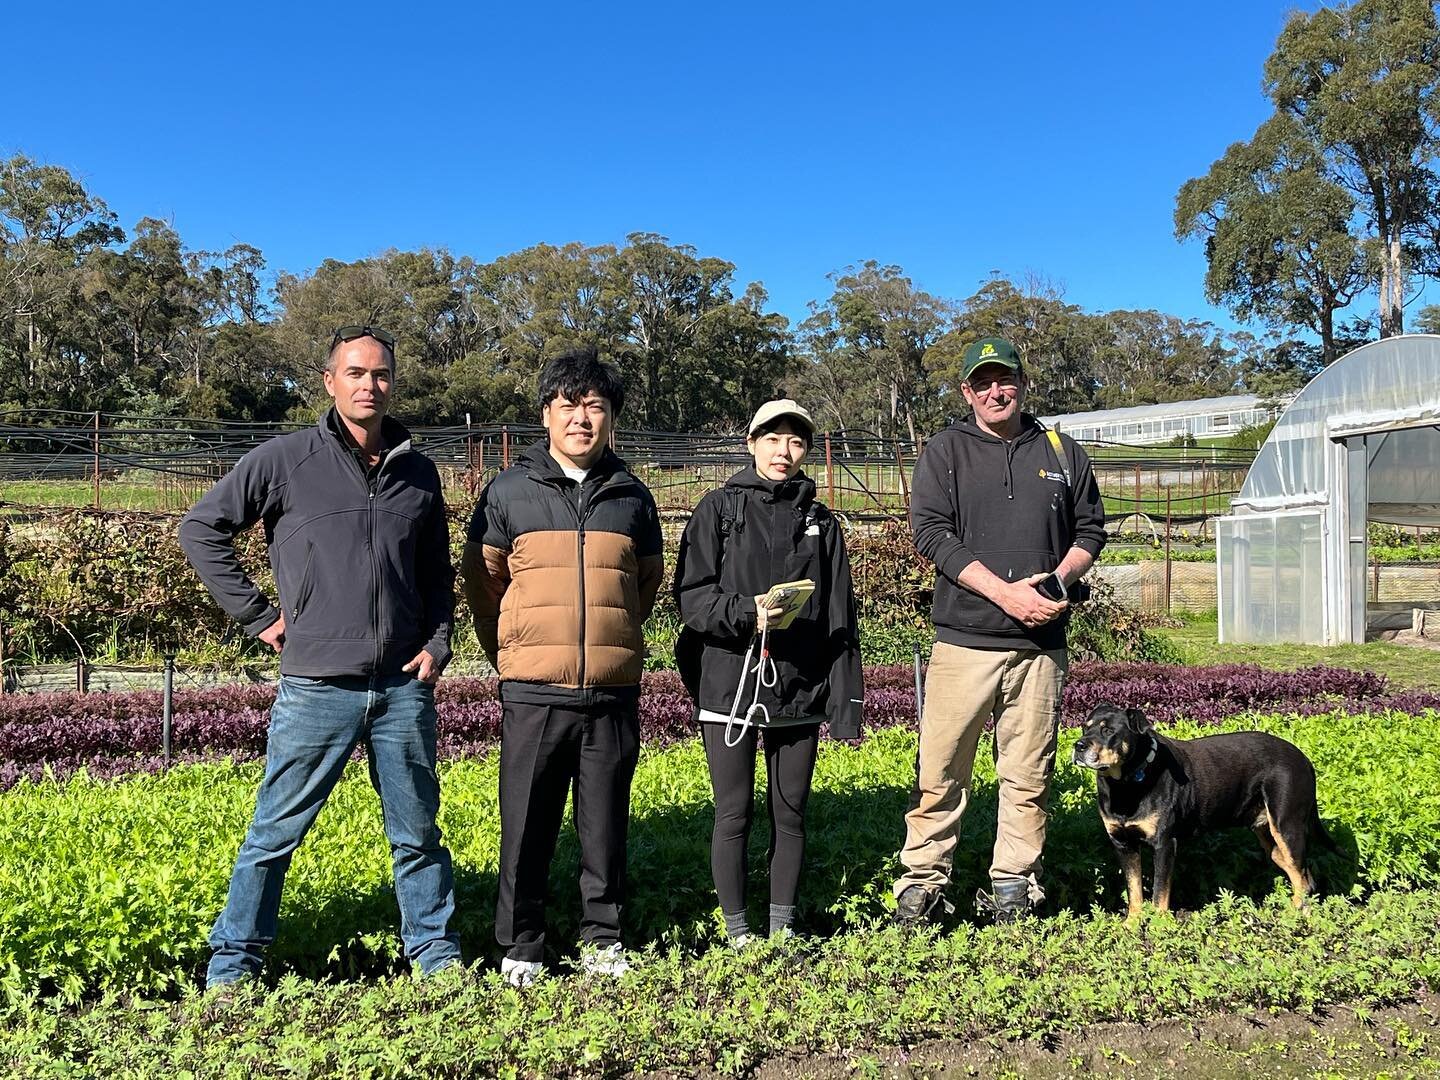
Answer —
117 585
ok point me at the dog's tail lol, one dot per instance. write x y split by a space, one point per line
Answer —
1317 829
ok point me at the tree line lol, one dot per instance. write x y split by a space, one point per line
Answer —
97 318
1334 200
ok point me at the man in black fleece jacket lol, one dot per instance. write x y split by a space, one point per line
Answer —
355 523
998 504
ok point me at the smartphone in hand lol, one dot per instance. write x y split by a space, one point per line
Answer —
1052 588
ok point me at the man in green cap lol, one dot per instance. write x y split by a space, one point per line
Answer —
1003 507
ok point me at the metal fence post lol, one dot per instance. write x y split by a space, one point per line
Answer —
168 712
1167 550
919 688
829 474
97 460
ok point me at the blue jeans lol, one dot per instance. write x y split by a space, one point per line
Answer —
314 727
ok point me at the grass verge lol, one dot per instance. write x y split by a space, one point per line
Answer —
1405 666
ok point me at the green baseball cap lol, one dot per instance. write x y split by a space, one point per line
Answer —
990 350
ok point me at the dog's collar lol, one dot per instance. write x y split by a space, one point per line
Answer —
1139 774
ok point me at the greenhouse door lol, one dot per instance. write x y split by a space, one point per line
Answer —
1350 511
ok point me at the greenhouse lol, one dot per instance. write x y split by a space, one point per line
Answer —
1141 425
1360 444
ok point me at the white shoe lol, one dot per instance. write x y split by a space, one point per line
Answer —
742 941
604 960
521 972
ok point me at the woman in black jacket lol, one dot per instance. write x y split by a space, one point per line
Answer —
763 528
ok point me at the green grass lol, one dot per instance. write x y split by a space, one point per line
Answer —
1404 665
114 494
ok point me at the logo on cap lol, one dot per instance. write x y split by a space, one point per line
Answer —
988 350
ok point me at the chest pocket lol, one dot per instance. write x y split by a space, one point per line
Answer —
808 543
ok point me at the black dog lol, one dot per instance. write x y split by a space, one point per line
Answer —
1155 790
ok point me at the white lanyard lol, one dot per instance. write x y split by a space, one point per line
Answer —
765 675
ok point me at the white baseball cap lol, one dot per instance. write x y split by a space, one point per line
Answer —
774 410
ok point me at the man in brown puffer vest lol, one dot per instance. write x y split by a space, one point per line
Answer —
562 564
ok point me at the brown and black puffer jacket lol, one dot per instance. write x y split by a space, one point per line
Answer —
561 576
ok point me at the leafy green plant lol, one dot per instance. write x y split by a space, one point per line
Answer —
113 885
722 1012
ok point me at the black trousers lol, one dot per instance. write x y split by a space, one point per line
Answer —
545 752
789 766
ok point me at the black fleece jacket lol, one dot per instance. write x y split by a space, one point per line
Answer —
364 573
1009 506
780 534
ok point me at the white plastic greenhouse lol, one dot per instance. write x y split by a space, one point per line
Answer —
1360 443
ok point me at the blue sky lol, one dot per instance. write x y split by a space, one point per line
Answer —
951 139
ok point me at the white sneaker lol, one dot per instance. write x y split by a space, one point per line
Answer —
742 941
604 960
521 972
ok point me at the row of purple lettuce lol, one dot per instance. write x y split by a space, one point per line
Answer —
116 734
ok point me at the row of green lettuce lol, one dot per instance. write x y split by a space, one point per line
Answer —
111 886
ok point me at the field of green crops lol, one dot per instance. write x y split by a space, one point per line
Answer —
107 890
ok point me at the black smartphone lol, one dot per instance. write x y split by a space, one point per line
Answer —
1052 588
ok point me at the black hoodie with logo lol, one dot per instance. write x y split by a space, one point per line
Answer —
751 534
1014 506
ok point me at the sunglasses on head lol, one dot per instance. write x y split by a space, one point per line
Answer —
356 330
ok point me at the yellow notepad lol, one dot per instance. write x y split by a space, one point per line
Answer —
790 596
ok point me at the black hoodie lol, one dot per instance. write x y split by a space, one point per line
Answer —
1010 506
780 533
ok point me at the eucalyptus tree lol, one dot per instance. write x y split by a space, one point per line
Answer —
1336 192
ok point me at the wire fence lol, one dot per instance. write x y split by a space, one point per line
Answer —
119 461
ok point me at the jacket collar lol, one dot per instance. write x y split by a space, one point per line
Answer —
1030 428
394 434
799 489
536 459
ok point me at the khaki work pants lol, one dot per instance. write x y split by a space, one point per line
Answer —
966 687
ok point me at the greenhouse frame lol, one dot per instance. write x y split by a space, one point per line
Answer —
1146 425
1360 443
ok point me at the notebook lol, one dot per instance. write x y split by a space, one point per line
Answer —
790 596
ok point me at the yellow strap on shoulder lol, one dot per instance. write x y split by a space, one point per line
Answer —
1054 437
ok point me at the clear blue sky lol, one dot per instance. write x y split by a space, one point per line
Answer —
952 139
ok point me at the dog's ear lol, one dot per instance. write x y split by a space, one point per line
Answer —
1137 721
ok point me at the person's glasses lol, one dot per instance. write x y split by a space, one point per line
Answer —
1007 384
356 330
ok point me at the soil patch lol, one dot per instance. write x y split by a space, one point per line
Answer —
1398 1041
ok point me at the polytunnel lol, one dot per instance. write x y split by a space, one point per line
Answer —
1360 443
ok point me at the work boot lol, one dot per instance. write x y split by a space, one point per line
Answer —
918 906
1008 901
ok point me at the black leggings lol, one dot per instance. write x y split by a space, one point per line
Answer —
789 766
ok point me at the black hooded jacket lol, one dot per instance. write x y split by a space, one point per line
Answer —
777 532
1016 507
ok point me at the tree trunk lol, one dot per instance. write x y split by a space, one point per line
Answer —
1392 287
